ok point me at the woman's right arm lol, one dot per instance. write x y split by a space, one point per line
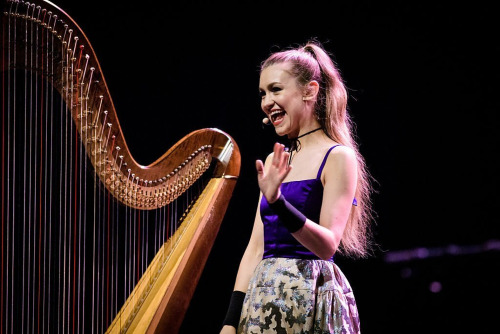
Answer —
251 258
252 255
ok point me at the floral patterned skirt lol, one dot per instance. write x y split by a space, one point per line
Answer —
298 296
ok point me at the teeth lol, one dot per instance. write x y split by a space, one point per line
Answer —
273 115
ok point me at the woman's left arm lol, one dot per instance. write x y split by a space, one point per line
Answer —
339 179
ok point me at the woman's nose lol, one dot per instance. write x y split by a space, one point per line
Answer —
267 101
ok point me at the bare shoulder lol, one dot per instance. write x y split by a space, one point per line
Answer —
341 160
342 152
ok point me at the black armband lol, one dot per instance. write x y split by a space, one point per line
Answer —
234 309
292 218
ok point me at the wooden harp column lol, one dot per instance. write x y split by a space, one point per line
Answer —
92 241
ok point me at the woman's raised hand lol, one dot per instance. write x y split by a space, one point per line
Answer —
270 180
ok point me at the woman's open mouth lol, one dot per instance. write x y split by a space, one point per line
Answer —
277 116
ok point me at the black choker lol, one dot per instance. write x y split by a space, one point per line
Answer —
295 143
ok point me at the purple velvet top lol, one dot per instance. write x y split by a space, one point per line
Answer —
306 196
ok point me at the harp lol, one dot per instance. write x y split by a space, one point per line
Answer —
92 241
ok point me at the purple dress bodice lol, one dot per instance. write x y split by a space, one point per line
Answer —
306 196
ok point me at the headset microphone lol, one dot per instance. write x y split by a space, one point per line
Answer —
266 121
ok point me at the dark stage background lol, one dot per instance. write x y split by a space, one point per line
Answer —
423 79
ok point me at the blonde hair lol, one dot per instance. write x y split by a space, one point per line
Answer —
312 62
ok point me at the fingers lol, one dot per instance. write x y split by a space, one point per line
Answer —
280 156
284 160
259 165
278 150
279 162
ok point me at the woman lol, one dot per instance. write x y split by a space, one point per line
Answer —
314 203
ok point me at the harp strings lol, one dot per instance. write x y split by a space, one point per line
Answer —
72 252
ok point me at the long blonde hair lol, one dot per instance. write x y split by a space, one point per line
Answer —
312 62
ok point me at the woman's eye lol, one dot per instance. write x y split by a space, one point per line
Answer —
262 93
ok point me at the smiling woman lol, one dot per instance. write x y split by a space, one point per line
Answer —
282 101
288 280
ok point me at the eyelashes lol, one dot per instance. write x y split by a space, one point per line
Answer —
273 89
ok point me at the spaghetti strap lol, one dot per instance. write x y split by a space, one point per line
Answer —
324 161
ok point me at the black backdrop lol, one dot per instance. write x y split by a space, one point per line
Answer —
423 79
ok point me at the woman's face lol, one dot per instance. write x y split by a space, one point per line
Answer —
282 99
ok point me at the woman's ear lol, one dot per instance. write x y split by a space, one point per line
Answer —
311 91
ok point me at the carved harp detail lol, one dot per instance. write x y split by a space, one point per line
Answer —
92 241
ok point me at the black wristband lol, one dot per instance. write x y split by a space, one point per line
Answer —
292 218
234 309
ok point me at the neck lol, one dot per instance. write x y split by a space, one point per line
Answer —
305 126
306 133
297 142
